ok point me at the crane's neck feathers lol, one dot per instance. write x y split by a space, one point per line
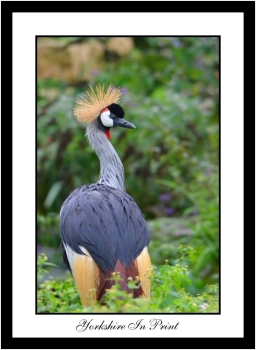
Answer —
111 167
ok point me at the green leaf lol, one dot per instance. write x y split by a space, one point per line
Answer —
52 194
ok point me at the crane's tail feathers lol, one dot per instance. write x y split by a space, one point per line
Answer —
92 283
144 268
86 275
121 275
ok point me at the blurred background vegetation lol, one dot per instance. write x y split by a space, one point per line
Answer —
171 159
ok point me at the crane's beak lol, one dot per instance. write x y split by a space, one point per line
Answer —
123 123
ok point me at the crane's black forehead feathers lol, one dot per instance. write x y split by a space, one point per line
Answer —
107 222
117 110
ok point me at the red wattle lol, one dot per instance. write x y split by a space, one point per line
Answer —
107 134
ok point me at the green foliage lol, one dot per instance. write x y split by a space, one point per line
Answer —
202 192
168 295
42 265
48 229
169 292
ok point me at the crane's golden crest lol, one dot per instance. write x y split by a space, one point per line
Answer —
89 106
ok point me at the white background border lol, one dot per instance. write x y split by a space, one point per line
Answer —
25 27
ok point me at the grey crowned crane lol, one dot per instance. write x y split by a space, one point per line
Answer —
102 229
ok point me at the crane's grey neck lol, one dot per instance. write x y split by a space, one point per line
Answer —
111 167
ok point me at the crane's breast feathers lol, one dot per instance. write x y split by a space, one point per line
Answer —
103 223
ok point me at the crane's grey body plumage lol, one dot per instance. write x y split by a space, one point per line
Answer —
107 222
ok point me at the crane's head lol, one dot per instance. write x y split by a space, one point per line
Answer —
111 116
101 106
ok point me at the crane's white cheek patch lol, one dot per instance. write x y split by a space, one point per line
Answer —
106 120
